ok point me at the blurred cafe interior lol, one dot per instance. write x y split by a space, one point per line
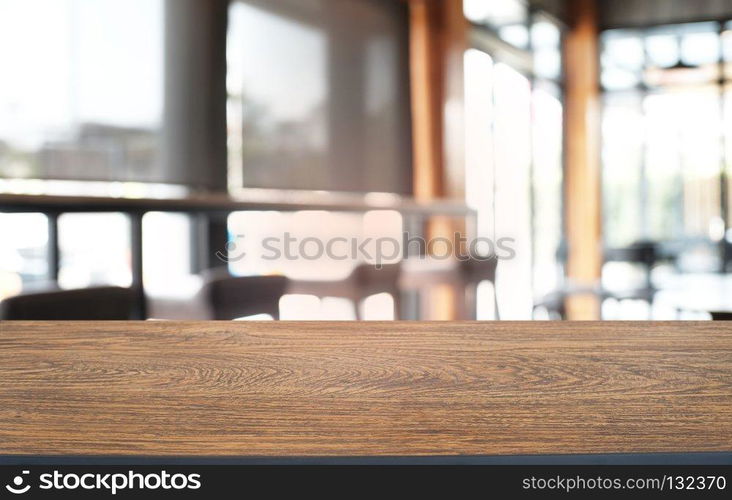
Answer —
156 156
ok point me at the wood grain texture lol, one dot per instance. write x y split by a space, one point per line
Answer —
364 388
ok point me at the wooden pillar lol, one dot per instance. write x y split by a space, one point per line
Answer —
583 197
426 72
438 40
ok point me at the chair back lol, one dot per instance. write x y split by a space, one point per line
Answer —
721 315
371 279
477 270
229 297
95 303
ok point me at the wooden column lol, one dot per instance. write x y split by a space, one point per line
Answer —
438 40
583 197
426 72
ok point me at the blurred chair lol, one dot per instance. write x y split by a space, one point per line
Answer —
228 297
463 275
365 280
96 303
472 273
555 303
645 254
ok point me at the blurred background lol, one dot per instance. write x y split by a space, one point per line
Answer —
147 145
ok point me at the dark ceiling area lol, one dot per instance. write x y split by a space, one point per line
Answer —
643 13
639 13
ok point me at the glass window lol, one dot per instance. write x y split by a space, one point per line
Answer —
622 60
700 48
514 163
547 186
314 245
479 139
546 46
166 239
662 50
624 50
661 160
24 256
272 242
496 12
498 175
513 189
727 49
623 183
509 18
95 250
319 96
515 34
663 151
727 138
81 91
683 162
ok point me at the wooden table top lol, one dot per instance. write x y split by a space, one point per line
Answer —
364 388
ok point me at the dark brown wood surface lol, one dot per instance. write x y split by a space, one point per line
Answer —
364 388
